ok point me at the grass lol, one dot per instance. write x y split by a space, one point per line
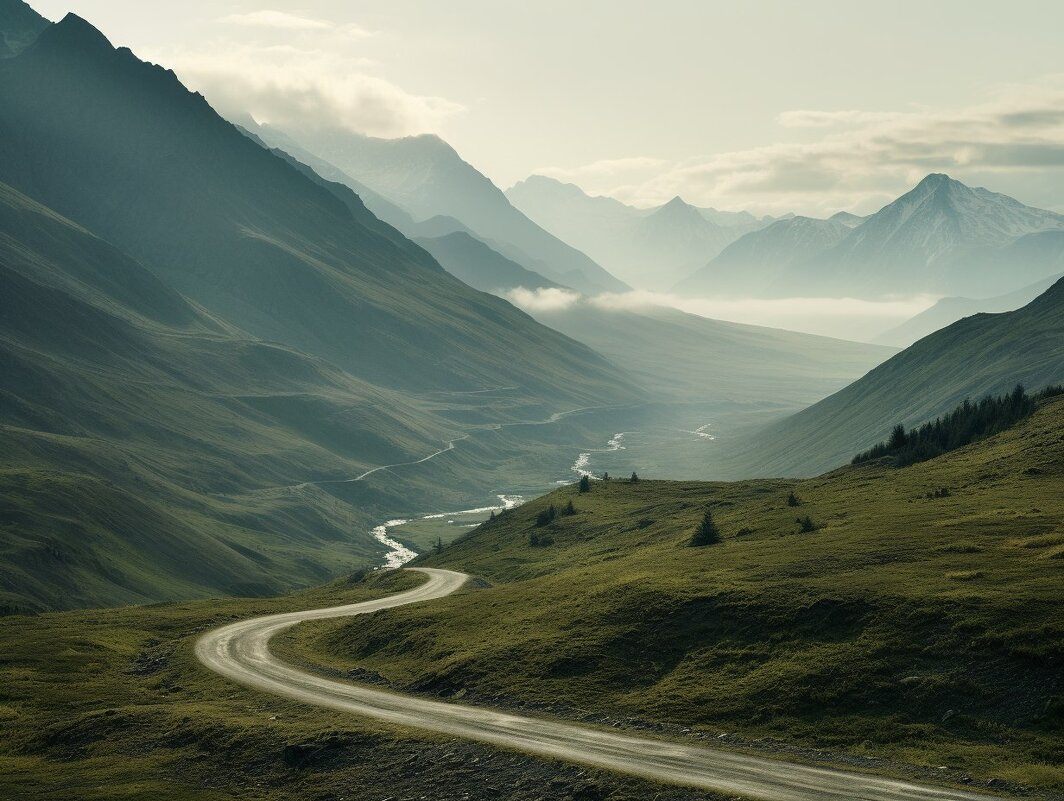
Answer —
110 704
922 630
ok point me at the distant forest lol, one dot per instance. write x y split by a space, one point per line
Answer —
966 423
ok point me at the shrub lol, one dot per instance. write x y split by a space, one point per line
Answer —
793 500
585 484
707 532
805 524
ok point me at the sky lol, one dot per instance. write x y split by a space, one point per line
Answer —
770 106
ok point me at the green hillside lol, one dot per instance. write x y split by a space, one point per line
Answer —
121 147
985 354
904 628
136 430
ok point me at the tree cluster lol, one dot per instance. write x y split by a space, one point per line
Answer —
965 424
546 517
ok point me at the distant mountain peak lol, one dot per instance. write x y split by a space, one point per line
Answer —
76 34
679 210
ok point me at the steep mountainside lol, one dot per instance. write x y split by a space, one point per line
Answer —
274 139
470 260
949 310
683 357
648 248
124 149
979 355
426 177
20 25
760 260
932 239
135 430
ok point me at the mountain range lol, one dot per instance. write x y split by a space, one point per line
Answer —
426 178
755 263
196 329
648 248
942 237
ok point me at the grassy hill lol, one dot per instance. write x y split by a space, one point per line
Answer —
980 355
99 707
137 430
905 627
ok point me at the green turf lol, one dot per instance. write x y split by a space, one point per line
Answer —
915 628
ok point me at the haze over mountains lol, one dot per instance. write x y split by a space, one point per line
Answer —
178 415
979 355
200 322
648 248
427 178
940 238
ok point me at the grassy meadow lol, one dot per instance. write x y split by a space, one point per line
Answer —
912 625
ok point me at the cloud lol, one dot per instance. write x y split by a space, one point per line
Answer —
845 318
307 87
859 159
842 318
543 299
276 19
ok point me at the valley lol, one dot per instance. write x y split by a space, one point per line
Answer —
403 402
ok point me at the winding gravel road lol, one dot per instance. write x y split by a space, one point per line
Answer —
240 651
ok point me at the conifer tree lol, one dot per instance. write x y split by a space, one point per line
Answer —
707 532
585 484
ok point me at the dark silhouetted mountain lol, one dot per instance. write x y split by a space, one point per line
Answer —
472 261
426 177
757 262
123 148
20 26
986 354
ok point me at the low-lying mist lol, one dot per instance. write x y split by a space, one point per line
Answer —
844 318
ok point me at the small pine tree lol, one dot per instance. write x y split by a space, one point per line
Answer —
533 539
585 484
552 512
438 547
605 476
634 479
569 510
792 500
805 524
491 517
707 532
898 438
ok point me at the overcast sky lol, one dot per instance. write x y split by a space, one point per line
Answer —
810 106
